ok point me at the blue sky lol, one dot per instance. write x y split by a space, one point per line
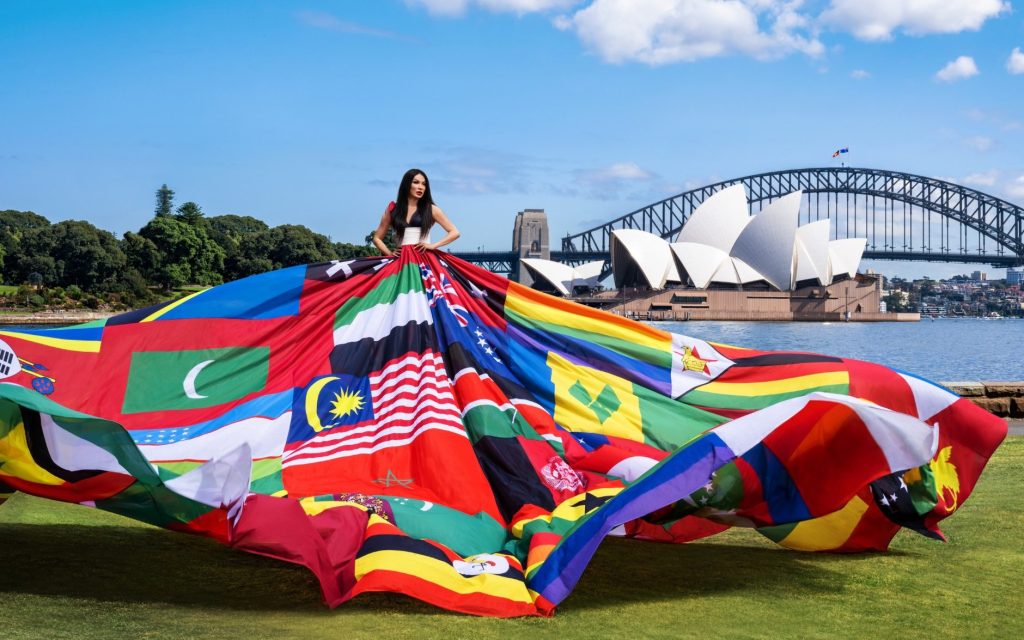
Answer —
309 111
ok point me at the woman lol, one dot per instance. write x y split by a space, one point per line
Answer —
412 215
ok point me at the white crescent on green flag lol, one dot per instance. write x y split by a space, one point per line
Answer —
162 380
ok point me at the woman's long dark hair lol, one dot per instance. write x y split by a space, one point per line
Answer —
424 207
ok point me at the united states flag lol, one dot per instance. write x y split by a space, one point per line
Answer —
410 396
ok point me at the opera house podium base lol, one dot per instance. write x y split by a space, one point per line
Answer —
855 299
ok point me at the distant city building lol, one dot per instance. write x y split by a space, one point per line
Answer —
1015 275
979 276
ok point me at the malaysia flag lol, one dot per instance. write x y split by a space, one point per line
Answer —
390 408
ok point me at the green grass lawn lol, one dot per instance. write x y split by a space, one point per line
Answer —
72 572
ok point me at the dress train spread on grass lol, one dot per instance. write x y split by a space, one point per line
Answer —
420 425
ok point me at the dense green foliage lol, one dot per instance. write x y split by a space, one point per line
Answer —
73 572
73 263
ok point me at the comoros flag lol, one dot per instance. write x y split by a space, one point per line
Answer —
421 425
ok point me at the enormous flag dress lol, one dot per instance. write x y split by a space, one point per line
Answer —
423 426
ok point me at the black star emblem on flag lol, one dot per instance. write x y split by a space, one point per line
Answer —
591 502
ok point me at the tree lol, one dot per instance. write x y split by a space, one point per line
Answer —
234 226
40 269
895 302
283 246
142 255
13 226
389 239
34 249
228 231
348 251
21 220
187 254
70 252
89 256
164 200
250 256
296 244
190 213
131 288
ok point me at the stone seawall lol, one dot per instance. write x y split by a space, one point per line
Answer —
52 317
1005 399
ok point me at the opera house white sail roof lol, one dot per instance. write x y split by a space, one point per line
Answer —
642 257
561 277
722 243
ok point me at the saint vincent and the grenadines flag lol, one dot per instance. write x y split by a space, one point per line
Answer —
423 426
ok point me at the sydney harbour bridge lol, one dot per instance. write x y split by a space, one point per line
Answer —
902 216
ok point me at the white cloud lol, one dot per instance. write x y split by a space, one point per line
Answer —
877 19
459 7
620 172
986 179
1016 187
611 180
962 67
859 74
469 170
624 171
659 32
328 22
1015 63
979 143
442 7
995 118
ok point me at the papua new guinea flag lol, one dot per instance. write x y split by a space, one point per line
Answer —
423 426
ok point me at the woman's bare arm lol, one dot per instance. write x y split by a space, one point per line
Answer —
452 233
381 231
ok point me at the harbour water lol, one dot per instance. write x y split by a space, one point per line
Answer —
944 349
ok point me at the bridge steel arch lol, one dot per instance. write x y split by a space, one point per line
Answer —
902 215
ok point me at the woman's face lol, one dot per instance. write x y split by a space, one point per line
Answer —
418 187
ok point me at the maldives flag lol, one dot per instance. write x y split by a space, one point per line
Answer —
191 379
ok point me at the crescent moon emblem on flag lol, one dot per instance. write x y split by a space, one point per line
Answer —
312 397
189 384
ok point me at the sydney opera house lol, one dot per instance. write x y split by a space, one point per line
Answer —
728 264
